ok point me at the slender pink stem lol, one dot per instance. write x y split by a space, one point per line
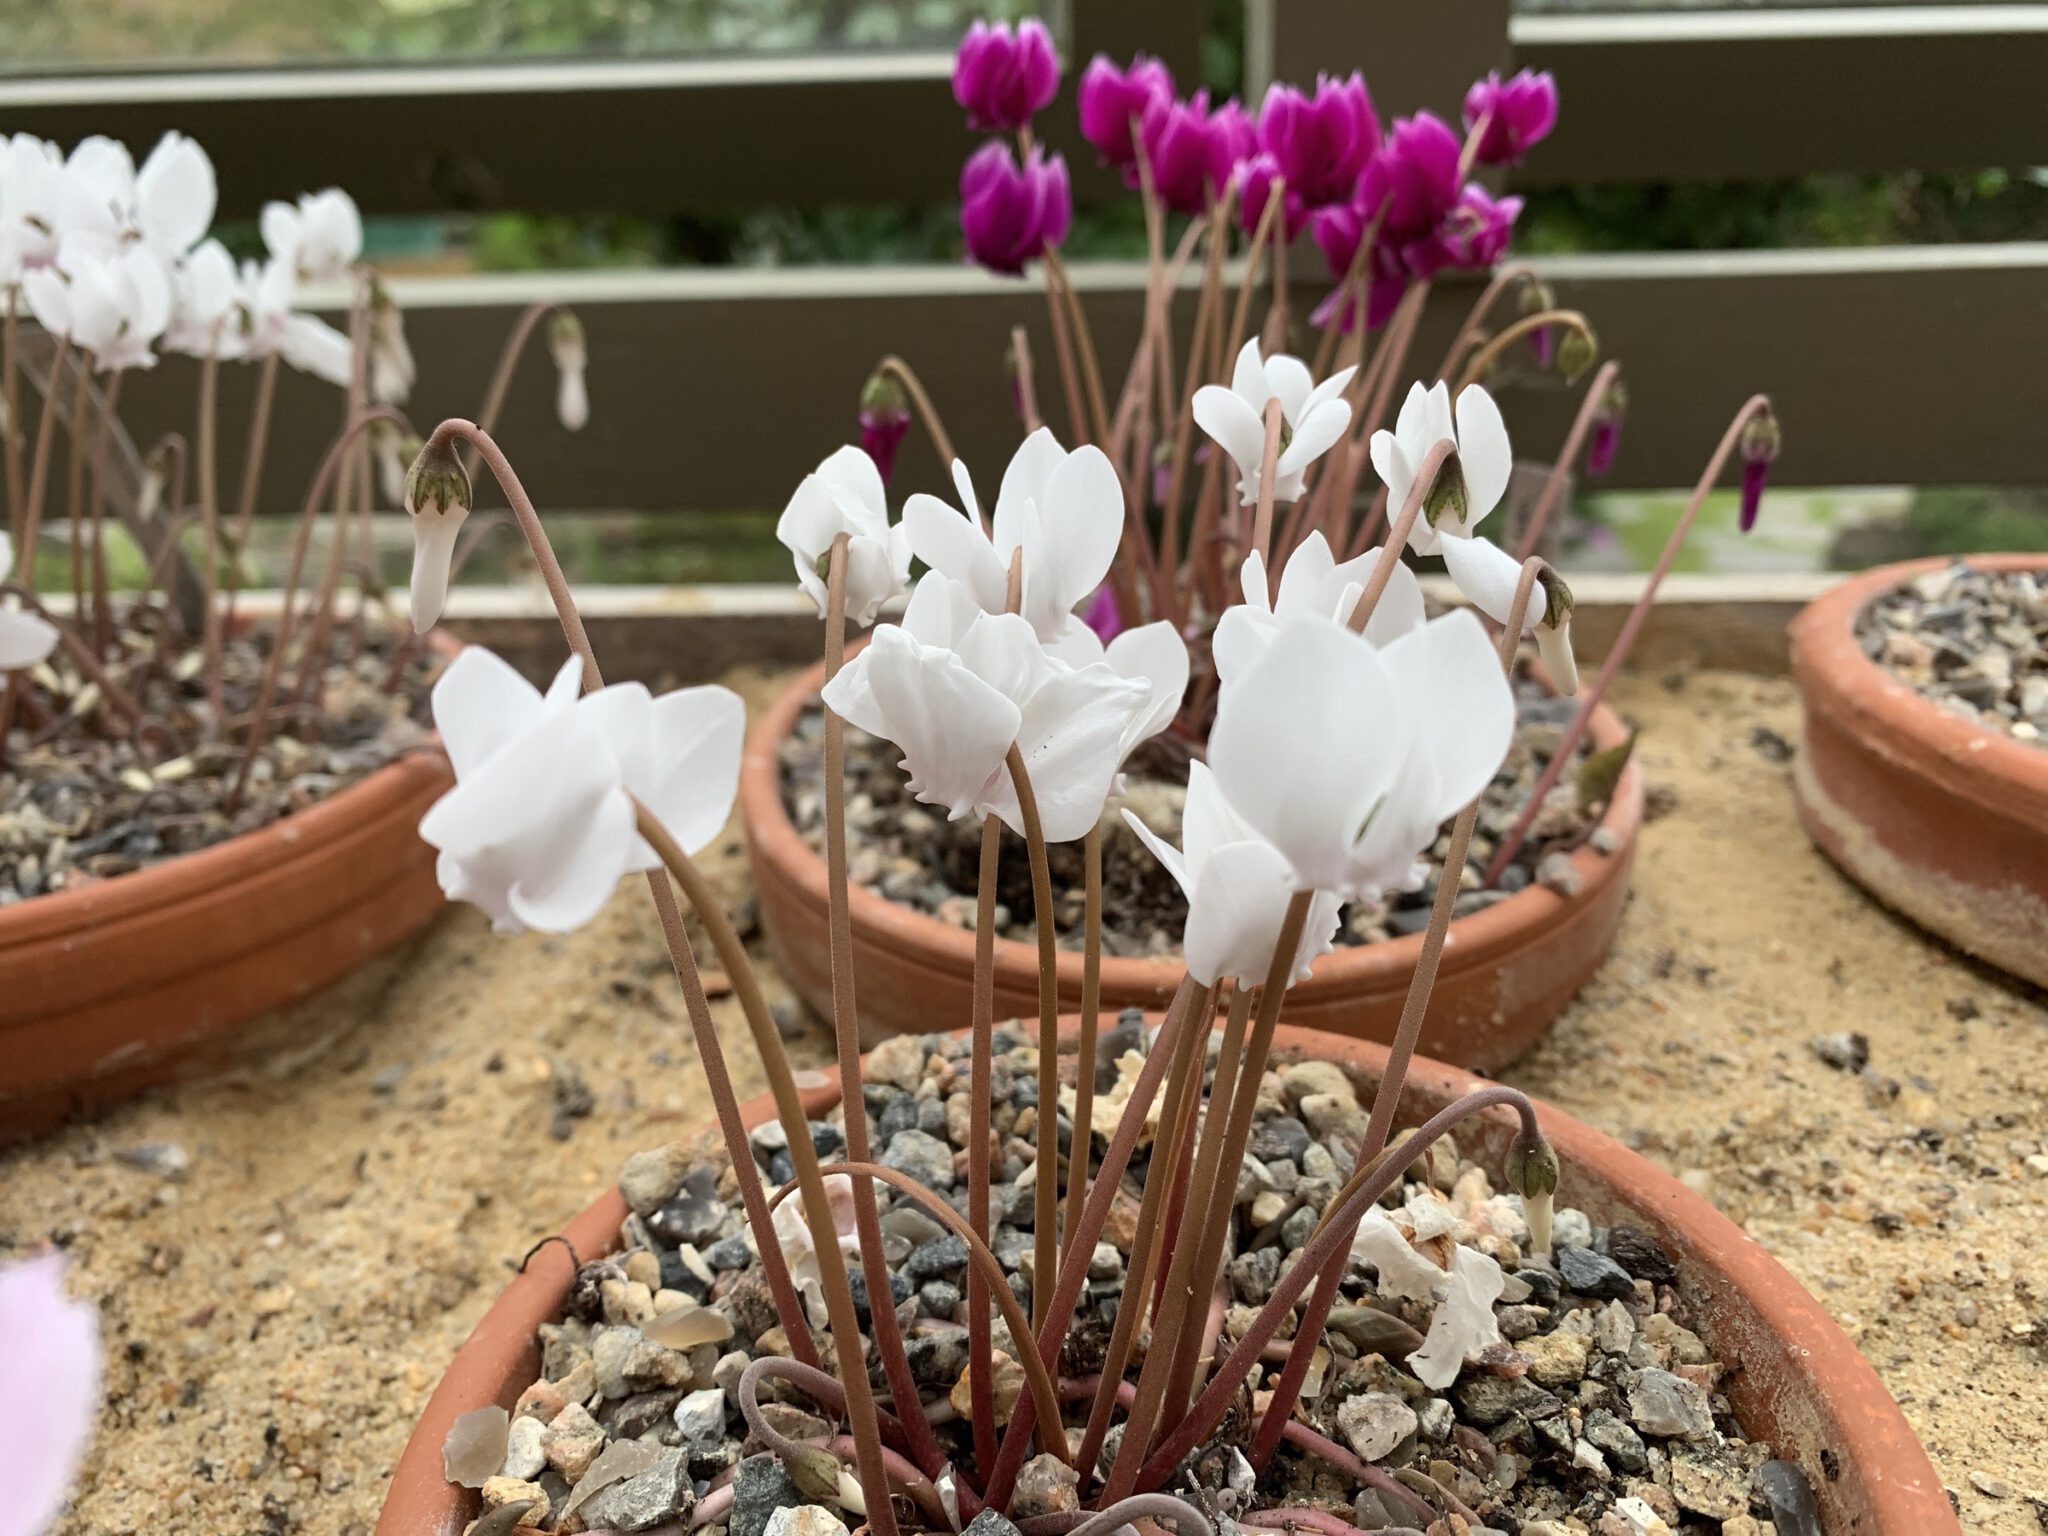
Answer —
1567 457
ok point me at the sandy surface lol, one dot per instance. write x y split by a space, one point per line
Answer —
277 1315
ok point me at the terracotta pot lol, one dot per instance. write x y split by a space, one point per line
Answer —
1939 817
1507 972
1794 1378
124 983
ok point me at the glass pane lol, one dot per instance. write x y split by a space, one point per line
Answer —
36 35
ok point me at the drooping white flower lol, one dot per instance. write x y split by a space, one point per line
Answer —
1237 887
25 638
49 1391
175 195
539 827
320 238
1315 414
270 324
1346 756
844 494
572 360
954 688
1482 570
113 306
1313 585
206 298
1065 511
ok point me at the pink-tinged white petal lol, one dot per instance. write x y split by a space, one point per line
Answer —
49 1392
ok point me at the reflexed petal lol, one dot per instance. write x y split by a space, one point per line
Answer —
1024 488
1299 747
622 716
1241 638
313 346
869 580
1456 699
1080 523
25 639
1289 381
6 554
1169 857
50 1383
1236 911
1207 821
1251 578
952 545
1073 644
1329 389
1400 607
940 611
1487 575
806 529
479 704
1001 650
1232 422
1397 474
1315 436
1071 734
1156 656
1248 377
1483 451
1411 426
1303 582
698 736
851 473
562 893
951 727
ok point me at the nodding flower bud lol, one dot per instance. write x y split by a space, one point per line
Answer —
1536 297
1576 352
1554 633
394 451
1447 493
1761 440
1607 419
438 497
572 357
149 495
884 420
1532 1170
392 369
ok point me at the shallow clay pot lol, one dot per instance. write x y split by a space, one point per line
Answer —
1506 974
124 983
1794 1378
1939 817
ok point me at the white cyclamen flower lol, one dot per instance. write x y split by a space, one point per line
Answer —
25 639
49 1391
1315 416
540 825
320 239
1065 511
954 688
175 196
1482 570
572 360
1314 585
845 495
271 325
1346 756
206 297
34 193
1237 886
113 306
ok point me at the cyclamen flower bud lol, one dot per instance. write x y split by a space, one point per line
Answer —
1531 1170
572 357
438 497
884 421
1008 213
1554 634
1607 421
1003 78
1761 440
1576 353
1113 101
1519 114
1536 297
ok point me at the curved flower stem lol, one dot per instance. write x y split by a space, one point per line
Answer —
1476 317
1176 1132
1350 298
1084 1053
789 1109
1488 355
1208 318
1187 1520
1063 349
1567 456
1036 1378
1397 536
1387 1099
508 364
175 524
710 1052
1269 477
39 469
1084 340
926 411
1046 1123
888 1333
1027 381
352 487
1333 1236
819 1385
309 513
1625 641
1354 1467
102 601
1190 1002
1262 241
252 465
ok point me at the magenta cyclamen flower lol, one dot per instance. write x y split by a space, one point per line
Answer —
1760 439
1113 100
1519 114
1473 235
1102 614
1414 176
49 1391
1190 154
1256 178
1337 230
1003 77
884 421
1606 441
1008 213
1323 142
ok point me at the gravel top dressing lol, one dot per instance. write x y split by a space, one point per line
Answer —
1975 642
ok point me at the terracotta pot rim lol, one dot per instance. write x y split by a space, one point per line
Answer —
191 876
1851 1408
1495 932
1967 757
